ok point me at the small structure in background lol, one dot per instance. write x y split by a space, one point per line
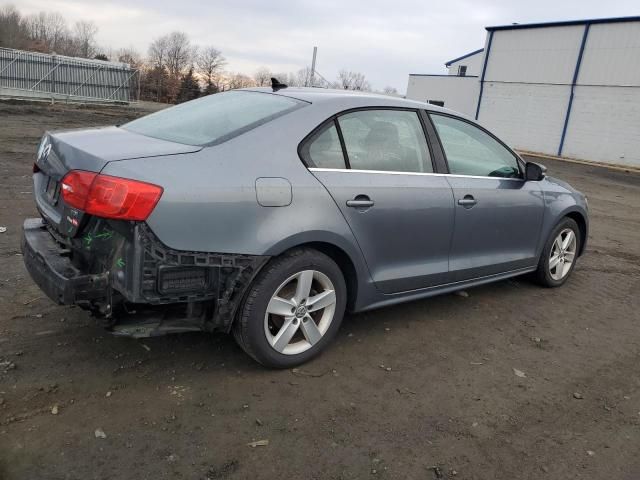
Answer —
457 90
31 75
468 64
568 88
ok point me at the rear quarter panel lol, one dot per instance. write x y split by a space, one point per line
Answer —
209 201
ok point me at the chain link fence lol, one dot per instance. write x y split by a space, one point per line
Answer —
38 75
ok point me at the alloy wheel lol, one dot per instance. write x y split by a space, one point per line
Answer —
563 253
300 312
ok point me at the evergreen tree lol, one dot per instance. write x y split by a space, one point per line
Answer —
189 88
210 88
154 85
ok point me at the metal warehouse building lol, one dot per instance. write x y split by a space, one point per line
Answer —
564 88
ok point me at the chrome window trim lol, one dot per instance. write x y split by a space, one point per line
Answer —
351 170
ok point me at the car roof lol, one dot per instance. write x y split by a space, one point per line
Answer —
345 99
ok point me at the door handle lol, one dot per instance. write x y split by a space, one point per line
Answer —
468 201
360 201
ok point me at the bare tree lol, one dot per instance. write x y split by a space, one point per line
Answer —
50 29
180 53
262 77
389 90
239 80
158 52
47 32
155 81
348 80
84 37
13 28
300 78
129 55
209 62
169 57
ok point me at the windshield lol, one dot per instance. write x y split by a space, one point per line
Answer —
214 118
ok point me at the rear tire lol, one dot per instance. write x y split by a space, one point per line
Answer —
292 310
558 258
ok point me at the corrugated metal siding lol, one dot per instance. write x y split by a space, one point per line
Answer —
605 125
612 55
65 76
534 56
528 117
528 85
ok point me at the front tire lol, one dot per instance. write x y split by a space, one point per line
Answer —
292 310
559 255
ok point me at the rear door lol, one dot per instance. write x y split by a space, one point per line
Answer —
377 166
498 215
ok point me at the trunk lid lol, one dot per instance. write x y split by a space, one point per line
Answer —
90 150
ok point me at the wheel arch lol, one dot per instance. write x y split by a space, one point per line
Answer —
346 256
345 264
581 220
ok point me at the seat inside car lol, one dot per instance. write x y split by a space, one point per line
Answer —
384 151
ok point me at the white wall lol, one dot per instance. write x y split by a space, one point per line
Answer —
527 117
536 55
612 55
458 93
473 63
604 125
528 85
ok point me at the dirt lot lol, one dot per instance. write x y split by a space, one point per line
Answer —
449 406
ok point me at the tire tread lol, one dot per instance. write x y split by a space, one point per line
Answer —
240 326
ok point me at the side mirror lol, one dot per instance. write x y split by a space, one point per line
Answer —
535 171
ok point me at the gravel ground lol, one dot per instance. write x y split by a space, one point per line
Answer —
513 381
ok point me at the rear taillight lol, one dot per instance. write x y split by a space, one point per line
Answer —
75 188
110 197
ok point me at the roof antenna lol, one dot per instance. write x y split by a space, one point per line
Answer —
276 85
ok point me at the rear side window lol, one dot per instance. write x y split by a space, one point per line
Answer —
386 140
214 118
323 150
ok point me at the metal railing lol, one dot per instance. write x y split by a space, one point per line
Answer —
34 74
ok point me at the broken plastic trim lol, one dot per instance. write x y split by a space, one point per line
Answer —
228 277
125 276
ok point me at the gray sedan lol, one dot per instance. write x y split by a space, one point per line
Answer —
269 212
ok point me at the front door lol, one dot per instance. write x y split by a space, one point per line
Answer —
377 167
498 215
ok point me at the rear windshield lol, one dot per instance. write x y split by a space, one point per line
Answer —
214 118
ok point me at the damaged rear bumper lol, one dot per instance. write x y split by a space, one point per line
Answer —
51 269
124 274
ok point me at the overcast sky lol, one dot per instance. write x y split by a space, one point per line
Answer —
385 40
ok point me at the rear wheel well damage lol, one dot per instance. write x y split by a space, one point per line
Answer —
582 225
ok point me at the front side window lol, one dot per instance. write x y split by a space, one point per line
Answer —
471 151
323 150
214 118
387 140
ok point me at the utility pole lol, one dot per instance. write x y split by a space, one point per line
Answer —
313 66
